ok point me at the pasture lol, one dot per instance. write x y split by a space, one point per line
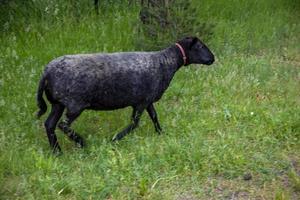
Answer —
230 130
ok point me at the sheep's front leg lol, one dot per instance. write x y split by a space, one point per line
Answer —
153 115
136 115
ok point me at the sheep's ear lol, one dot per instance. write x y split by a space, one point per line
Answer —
194 41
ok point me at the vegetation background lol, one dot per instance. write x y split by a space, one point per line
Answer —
231 131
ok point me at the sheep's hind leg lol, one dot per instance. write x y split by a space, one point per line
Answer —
153 115
136 115
50 124
65 127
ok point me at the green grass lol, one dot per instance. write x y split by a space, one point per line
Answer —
239 116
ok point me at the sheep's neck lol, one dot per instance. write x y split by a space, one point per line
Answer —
172 57
170 60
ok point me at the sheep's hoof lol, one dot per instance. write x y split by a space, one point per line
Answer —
159 131
117 137
80 143
57 152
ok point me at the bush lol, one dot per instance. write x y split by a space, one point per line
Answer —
162 21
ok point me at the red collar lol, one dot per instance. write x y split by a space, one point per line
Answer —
183 53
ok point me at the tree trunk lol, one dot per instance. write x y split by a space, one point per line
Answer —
96 4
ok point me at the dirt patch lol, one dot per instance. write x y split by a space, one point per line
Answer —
186 196
282 187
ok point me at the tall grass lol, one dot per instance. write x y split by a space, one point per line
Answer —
239 116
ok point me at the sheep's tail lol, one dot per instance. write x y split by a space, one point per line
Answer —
40 100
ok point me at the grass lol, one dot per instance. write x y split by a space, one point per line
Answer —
239 117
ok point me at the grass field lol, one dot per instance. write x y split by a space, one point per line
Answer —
231 130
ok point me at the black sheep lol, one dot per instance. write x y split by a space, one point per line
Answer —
109 81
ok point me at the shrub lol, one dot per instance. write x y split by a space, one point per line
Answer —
162 21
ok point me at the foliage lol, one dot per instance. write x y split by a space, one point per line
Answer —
163 21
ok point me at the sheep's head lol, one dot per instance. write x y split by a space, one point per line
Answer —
196 51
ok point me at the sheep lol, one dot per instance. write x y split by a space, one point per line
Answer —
109 81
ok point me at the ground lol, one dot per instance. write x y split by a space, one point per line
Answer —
231 130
